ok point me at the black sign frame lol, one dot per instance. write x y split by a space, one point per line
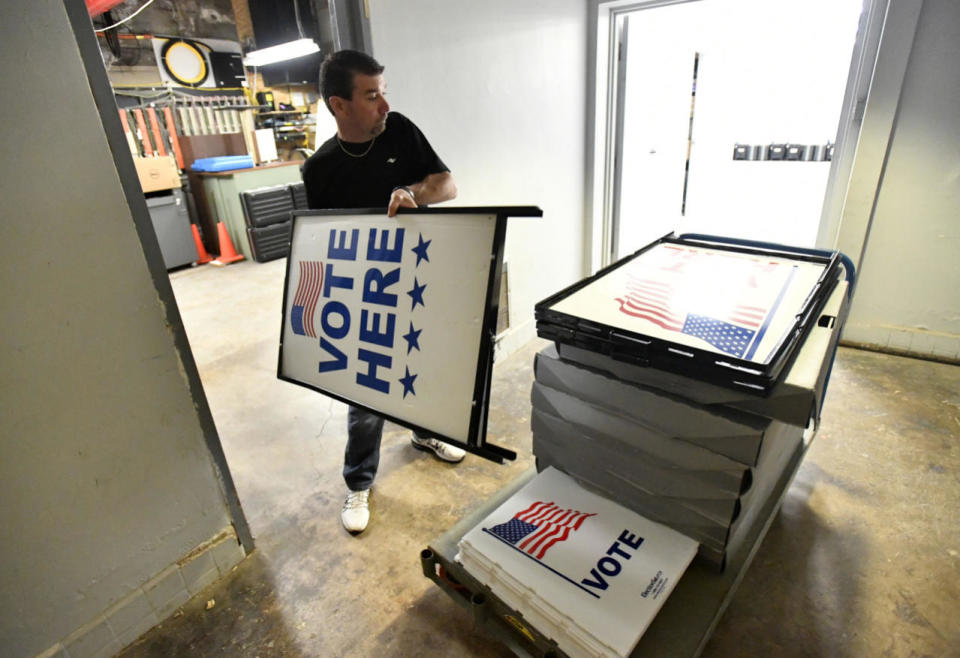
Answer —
476 440
655 352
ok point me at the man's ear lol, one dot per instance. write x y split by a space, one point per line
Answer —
338 105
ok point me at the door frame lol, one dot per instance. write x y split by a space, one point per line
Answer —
102 92
612 246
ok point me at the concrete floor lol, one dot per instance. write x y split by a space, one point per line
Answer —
863 560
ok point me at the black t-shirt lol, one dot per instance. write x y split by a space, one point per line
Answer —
400 155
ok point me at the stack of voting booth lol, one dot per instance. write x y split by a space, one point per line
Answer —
583 570
683 380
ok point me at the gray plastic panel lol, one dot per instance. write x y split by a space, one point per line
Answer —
267 205
549 438
270 242
657 478
662 449
299 192
782 451
728 432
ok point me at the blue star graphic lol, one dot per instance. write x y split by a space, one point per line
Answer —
408 383
416 295
421 250
412 338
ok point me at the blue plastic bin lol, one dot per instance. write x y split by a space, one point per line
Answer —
223 163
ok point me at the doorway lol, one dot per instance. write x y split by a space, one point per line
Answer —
725 118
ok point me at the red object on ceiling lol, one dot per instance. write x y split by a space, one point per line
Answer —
97 7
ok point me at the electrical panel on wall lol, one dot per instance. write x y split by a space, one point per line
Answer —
280 21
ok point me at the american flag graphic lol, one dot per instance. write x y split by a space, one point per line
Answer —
536 529
731 330
305 301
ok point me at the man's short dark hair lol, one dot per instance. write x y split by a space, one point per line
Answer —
338 69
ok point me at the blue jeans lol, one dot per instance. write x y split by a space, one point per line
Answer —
362 455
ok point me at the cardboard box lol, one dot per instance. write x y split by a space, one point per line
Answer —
157 173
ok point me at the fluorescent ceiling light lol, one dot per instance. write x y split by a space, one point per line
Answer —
281 52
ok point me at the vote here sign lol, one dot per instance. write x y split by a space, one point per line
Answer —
396 314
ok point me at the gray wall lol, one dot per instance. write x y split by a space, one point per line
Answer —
908 295
105 475
499 89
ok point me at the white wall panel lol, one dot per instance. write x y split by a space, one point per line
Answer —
105 478
908 294
499 90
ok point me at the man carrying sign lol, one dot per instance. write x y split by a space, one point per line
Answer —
376 158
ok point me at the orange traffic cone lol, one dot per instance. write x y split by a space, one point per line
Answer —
227 253
202 255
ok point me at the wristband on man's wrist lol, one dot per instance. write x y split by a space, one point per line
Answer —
408 190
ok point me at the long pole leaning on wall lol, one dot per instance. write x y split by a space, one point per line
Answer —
110 119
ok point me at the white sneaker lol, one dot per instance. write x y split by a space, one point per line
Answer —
444 451
356 511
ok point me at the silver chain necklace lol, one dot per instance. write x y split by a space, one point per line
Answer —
355 155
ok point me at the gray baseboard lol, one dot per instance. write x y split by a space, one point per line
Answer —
153 601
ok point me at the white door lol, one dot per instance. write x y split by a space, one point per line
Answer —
656 107
768 73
